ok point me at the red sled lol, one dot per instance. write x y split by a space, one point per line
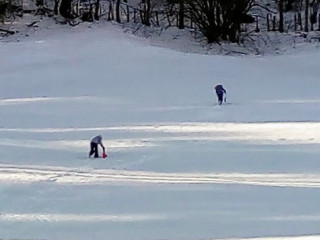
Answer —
104 155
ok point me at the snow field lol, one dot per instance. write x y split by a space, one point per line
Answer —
179 166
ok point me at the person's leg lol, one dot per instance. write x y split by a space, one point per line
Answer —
91 149
96 154
220 98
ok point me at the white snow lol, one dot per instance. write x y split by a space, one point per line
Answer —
179 166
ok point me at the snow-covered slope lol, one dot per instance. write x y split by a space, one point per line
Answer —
179 166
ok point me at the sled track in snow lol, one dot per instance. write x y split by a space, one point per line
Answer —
62 175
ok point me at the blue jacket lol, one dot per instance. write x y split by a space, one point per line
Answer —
219 89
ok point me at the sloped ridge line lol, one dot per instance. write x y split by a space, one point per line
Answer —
64 175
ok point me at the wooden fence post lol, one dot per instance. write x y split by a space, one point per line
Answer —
77 8
257 24
157 18
128 14
274 23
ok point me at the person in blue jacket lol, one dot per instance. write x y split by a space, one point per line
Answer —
220 91
97 140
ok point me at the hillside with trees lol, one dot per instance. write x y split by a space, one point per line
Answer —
218 21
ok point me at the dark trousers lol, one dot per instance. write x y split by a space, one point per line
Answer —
94 150
220 98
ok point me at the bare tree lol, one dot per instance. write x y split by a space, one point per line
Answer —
181 14
65 8
4 6
56 7
10 9
280 8
314 13
97 9
146 12
118 19
306 23
220 19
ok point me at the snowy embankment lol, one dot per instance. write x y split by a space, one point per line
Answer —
179 166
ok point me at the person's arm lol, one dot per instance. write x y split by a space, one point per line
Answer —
102 146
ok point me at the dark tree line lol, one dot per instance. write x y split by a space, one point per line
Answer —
310 13
218 20
9 8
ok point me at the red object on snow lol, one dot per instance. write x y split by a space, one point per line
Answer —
104 155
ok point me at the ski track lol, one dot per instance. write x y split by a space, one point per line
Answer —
272 132
27 174
274 238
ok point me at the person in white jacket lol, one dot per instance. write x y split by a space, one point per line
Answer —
97 140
